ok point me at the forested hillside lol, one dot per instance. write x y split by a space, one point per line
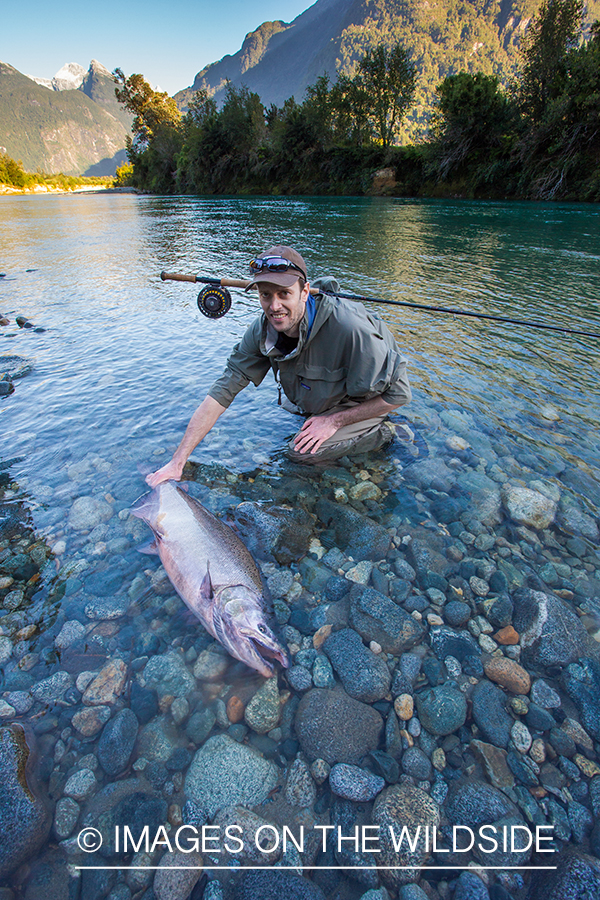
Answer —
443 37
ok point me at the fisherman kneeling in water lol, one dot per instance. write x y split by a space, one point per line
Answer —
334 361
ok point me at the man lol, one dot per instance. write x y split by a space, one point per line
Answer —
335 362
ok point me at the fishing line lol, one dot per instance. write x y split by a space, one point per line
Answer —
217 304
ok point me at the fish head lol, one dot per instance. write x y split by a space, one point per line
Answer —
240 624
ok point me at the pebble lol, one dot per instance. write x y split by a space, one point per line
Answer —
52 688
108 684
479 587
360 573
6 710
442 710
509 674
210 666
90 721
71 632
354 783
177 875
168 675
263 711
527 507
587 766
66 815
322 673
300 790
21 701
490 715
404 707
416 764
117 741
507 636
544 695
320 770
334 727
521 737
299 679
364 676
538 752
80 785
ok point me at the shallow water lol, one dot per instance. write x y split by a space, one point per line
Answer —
125 358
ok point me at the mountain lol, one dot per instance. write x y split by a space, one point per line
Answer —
444 37
75 125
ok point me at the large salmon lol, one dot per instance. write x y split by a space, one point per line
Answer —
213 573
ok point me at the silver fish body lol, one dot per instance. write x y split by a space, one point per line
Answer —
213 573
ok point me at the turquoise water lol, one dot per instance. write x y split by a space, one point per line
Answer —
125 358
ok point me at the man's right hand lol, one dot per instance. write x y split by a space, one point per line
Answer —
171 470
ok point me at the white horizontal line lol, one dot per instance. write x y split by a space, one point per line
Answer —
337 868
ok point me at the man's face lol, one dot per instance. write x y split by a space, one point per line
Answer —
283 306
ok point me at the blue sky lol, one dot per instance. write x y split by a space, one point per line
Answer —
168 42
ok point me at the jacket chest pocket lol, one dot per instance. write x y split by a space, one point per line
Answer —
322 373
315 388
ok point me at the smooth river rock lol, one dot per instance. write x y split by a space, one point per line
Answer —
24 819
528 507
364 675
225 773
377 618
395 807
551 632
332 726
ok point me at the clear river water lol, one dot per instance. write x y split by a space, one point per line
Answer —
119 360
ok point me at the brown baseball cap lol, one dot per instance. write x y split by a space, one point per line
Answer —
271 267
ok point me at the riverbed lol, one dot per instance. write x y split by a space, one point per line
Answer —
477 541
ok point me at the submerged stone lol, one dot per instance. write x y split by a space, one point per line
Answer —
336 728
24 819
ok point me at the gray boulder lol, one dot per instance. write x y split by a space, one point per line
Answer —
359 536
552 634
577 877
332 726
275 533
225 773
364 675
377 618
25 820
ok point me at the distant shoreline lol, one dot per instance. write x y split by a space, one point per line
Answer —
7 190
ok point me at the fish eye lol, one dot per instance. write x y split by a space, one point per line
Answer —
262 629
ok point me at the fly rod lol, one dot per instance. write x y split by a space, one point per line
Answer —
215 300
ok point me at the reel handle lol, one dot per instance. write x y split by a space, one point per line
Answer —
223 282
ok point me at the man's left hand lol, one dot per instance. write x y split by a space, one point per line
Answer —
314 432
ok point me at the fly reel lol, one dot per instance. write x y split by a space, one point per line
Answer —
214 301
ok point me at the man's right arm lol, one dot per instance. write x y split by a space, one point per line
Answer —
198 427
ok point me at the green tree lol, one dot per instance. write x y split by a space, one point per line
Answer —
552 34
384 87
473 123
152 110
559 156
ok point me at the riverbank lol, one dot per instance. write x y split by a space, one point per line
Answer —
9 190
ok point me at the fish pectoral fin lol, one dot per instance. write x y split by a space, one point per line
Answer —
150 548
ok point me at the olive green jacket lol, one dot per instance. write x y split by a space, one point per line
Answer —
349 355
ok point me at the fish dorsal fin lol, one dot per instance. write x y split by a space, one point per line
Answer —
206 588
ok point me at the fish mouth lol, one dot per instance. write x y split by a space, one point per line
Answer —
261 650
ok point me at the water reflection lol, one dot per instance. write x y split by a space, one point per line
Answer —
124 361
